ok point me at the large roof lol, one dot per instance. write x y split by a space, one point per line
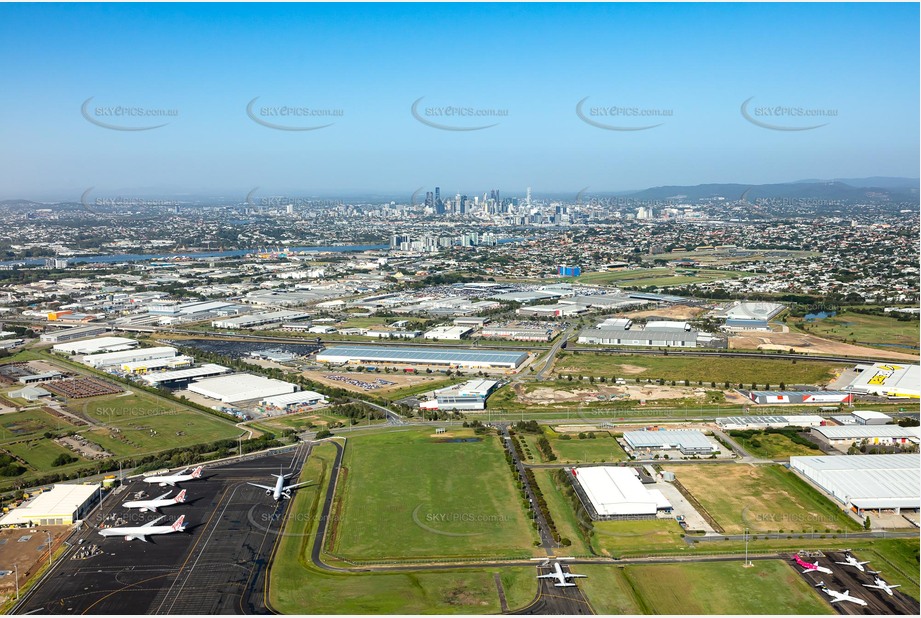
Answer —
868 481
209 369
846 432
240 387
61 501
892 379
616 490
677 438
423 355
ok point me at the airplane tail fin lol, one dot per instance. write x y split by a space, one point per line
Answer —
180 497
196 474
178 524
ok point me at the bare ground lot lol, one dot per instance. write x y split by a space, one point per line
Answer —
809 344
635 392
400 380
28 554
675 312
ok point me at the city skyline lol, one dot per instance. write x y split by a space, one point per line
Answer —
612 97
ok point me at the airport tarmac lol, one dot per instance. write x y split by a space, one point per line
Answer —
849 578
217 566
554 600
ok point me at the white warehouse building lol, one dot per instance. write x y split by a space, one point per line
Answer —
865 482
117 359
616 492
241 387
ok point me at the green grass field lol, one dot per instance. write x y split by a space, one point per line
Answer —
564 516
423 387
872 330
697 368
455 499
899 558
19 425
296 587
40 453
766 498
774 446
602 448
619 538
769 587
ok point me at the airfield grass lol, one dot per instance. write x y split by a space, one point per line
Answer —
899 559
617 538
608 590
766 498
872 330
768 587
297 587
600 449
456 499
41 453
774 446
697 368
561 509
19 425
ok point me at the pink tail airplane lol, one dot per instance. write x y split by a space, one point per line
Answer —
811 567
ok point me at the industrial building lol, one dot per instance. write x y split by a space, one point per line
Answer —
293 400
117 359
144 366
241 387
558 310
686 441
467 396
36 378
865 482
94 346
788 397
768 422
741 313
70 334
29 393
519 332
452 333
61 505
870 417
842 437
893 380
468 359
654 334
260 319
616 492
183 376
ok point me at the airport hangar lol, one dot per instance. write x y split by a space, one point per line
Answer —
61 505
468 359
616 492
865 482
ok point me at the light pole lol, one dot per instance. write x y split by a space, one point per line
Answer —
50 549
747 561
17 580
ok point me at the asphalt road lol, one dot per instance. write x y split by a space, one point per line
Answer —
217 566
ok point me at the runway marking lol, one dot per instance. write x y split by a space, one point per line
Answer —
122 589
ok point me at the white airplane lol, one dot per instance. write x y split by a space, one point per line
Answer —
172 479
561 576
850 560
837 597
280 490
148 529
153 505
880 584
811 567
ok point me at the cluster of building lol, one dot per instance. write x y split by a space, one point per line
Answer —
458 359
659 334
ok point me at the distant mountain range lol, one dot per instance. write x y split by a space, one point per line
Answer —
850 189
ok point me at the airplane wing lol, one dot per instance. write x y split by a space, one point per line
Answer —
299 485
266 487
548 576
151 523
567 584
873 586
574 575
164 495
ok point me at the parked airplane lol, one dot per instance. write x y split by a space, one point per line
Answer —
840 596
850 560
561 576
154 504
172 479
880 584
811 567
280 490
148 529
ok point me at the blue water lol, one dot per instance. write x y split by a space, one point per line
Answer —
140 257
819 315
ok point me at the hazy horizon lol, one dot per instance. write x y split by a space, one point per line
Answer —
377 99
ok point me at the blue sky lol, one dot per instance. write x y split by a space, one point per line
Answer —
536 62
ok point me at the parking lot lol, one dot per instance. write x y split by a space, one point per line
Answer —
218 565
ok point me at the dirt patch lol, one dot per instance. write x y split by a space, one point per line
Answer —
638 392
632 370
809 344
